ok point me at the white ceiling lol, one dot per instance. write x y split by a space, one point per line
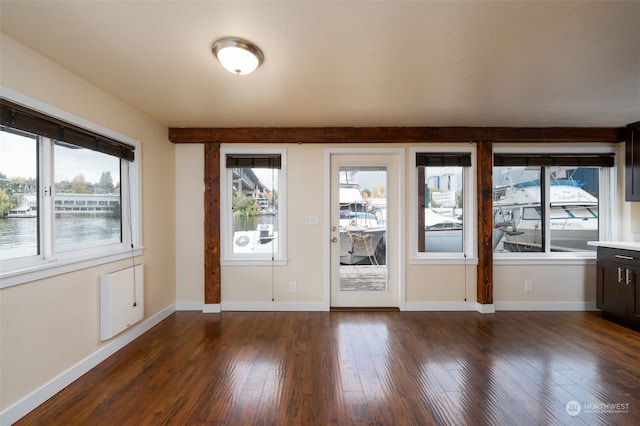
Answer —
351 63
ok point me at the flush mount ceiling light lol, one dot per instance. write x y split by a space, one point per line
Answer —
237 55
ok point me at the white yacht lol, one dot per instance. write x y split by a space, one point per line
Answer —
518 216
23 210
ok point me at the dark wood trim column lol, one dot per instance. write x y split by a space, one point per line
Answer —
393 134
212 281
485 222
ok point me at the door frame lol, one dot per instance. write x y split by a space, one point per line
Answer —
400 225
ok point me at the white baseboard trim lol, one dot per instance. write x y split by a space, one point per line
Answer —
189 306
211 308
449 306
21 408
274 306
409 306
546 306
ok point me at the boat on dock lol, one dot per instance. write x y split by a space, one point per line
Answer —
362 229
518 216
22 211
263 239
443 233
26 207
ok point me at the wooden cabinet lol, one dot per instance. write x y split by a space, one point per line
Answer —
618 284
632 162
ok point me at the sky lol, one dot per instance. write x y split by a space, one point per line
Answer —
266 176
18 159
367 179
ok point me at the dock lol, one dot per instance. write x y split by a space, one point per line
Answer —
363 278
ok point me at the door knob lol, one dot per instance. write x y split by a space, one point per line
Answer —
334 240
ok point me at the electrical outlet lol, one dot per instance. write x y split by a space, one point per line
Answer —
528 285
293 286
311 219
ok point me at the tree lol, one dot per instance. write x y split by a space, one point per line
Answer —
4 182
106 183
244 206
5 203
79 185
273 199
63 186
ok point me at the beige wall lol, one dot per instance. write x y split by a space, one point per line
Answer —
635 220
190 233
252 283
564 285
305 251
630 211
305 243
49 325
441 283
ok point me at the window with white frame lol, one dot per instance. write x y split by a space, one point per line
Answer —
253 205
66 193
551 203
442 205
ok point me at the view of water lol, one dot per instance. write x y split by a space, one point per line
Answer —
19 236
250 223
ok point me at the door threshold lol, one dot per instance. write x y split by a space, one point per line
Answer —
363 309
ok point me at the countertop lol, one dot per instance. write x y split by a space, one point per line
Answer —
624 245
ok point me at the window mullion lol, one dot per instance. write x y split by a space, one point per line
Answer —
125 206
46 198
545 207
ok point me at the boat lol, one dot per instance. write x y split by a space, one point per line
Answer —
22 211
518 219
362 229
443 233
263 239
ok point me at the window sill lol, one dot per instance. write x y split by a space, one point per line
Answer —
253 262
57 267
529 259
443 260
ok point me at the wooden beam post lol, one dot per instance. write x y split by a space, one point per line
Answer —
212 280
387 135
485 223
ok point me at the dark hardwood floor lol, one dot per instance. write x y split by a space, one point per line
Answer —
362 368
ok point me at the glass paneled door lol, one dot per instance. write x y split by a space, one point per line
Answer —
363 262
